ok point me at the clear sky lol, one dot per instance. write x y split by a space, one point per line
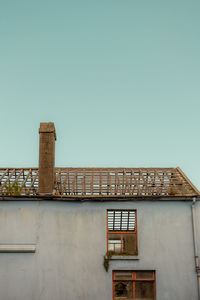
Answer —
119 78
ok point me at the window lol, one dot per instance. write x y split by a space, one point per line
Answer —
122 232
134 285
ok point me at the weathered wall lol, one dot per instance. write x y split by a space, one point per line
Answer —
71 242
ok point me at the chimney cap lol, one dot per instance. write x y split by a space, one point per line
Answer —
47 128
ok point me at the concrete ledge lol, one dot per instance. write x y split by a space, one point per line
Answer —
17 248
123 257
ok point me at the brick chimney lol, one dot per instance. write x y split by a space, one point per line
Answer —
46 158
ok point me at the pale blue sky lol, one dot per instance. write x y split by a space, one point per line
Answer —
120 79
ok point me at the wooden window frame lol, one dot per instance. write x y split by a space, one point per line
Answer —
134 279
123 232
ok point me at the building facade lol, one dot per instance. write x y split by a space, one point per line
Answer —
97 233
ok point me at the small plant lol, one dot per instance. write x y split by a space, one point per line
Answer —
109 254
172 192
13 190
107 258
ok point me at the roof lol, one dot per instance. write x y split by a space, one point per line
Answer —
100 182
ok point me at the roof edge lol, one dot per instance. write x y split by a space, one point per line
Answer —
188 180
99 198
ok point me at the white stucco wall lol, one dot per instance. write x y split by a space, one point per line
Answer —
70 243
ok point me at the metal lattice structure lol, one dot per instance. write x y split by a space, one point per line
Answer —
121 220
100 182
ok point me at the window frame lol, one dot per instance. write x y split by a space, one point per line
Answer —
123 232
134 280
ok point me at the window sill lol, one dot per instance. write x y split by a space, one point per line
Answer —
17 248
123 257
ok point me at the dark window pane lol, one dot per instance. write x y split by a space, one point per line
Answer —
123 290
129 244
144 275
144 290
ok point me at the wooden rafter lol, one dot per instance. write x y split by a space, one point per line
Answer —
104 182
